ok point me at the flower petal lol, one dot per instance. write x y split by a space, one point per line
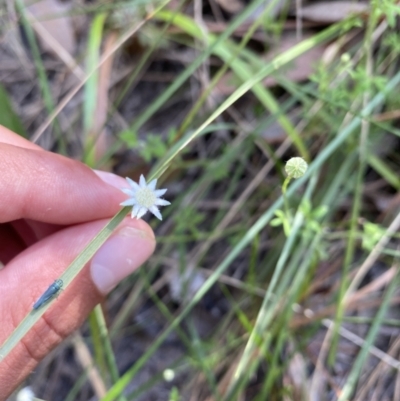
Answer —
152 184
156 212
142 181
135 211
142 211
128 202
162 202
160 192
128 191
132 183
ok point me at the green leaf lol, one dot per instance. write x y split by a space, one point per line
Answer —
129 137
154 148
8 117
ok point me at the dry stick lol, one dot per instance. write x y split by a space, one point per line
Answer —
354 338
380 282
311 316
86 360
39 132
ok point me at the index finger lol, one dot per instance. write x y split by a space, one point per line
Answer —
47 187
7 136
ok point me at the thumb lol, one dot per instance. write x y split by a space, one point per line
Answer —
27 276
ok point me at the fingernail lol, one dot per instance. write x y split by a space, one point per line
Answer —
120 256
112 179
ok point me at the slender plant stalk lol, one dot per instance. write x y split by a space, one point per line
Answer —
358 193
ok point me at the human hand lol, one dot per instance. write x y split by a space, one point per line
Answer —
51 207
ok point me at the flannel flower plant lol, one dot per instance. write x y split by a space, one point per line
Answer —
144 197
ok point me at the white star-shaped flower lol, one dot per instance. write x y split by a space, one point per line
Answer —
144 197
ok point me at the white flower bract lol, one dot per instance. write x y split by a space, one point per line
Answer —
144 197
25 394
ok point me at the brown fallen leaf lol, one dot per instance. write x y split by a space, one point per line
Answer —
232 6
58 29
329 12
299 69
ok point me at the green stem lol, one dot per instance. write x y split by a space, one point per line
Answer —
286 223
284 189
108 351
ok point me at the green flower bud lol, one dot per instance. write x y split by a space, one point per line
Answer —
296 167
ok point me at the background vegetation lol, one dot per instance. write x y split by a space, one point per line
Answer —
248 296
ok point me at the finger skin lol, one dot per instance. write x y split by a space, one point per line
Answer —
25 279
50 188
7 136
